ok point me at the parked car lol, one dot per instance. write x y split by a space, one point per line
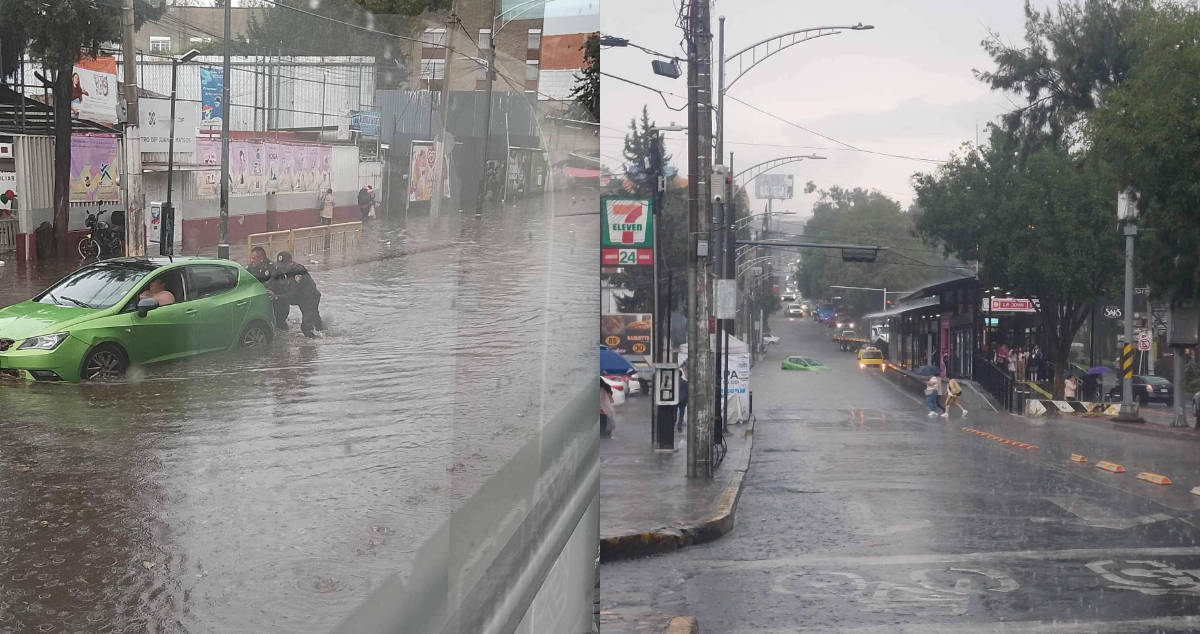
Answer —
619 386
1146 389
615 365
645 373
92 324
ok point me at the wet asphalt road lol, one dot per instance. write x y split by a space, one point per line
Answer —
861 514
274 493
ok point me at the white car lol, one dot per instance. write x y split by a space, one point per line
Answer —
787 297
619 385
794 310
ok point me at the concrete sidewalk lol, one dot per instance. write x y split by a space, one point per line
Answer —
648 505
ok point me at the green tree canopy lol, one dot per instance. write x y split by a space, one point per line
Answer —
1148 127
586 93
860 216
1039 226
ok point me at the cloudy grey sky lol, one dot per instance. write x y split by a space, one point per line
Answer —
906 87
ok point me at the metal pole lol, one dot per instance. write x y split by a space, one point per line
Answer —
135 197
700 369
166 227
487 120
1127 412
226 113
440 145
1180 419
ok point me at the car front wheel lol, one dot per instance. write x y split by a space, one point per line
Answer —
254 337
105 361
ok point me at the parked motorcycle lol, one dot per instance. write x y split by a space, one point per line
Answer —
103 238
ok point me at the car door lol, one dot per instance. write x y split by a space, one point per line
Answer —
217 306
165 333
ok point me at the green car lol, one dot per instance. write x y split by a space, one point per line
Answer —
801 363
95 323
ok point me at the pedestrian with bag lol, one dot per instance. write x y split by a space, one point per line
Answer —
364 201
954 390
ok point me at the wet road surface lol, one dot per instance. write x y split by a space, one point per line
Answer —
273 493
860 513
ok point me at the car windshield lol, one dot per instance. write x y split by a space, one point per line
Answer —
95 287
1156 380
872 355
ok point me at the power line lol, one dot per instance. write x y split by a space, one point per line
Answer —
655 90
829 138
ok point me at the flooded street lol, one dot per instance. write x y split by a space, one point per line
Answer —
273 493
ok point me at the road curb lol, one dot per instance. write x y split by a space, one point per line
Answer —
683 625
669 539
1146 429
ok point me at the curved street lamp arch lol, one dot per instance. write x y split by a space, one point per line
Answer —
761 168
781 42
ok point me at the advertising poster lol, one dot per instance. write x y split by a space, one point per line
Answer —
323 167
211 83
420 171
208 183
241 170
517 180
156 125
274 166
256 153
627 333
94 90
208 152
93 169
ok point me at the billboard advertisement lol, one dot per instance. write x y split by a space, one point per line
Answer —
93 169
211 83
264 167
627 236
94 90
156 125
776 186
627 333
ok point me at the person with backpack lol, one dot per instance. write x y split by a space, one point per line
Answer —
954 390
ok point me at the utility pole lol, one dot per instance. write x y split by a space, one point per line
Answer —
487 119
700 363
441 146
226 114
131 179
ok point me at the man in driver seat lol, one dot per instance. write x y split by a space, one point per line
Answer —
157 290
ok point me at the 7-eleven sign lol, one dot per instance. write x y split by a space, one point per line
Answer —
628 235
628 223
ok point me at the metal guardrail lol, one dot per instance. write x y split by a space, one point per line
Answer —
999 384
519 550
8 235
308 241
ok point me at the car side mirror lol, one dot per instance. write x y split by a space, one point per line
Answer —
145 305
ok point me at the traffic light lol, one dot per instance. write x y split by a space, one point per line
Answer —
858 255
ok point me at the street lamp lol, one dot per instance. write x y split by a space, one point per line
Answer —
1127 212
166 228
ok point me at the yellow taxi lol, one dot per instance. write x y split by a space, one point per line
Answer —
870 356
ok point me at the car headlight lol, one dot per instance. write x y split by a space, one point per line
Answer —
44 342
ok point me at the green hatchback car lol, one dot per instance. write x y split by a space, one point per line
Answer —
103 318
801 363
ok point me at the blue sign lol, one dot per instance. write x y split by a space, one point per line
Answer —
366 122
211 83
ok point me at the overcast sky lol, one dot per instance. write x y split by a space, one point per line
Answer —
906 87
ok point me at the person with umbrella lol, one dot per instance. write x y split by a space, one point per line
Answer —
1091 382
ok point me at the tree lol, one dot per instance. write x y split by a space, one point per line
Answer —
860 216
58 34
1068 58
672 219
1148 126
344 27
1039 225
586 93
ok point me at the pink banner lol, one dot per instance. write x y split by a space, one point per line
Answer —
94 169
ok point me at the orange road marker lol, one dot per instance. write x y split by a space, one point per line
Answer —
1077 458
1110 466
1155 478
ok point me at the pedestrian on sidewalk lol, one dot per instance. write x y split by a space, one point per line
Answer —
953 398
931 395
364 201
1037 360
1071 388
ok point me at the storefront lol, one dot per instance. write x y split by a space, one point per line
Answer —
935 325
1011 321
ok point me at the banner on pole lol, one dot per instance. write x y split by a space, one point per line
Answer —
212 80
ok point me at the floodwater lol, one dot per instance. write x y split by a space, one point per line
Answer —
272 493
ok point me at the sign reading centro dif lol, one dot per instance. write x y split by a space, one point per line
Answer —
627 238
